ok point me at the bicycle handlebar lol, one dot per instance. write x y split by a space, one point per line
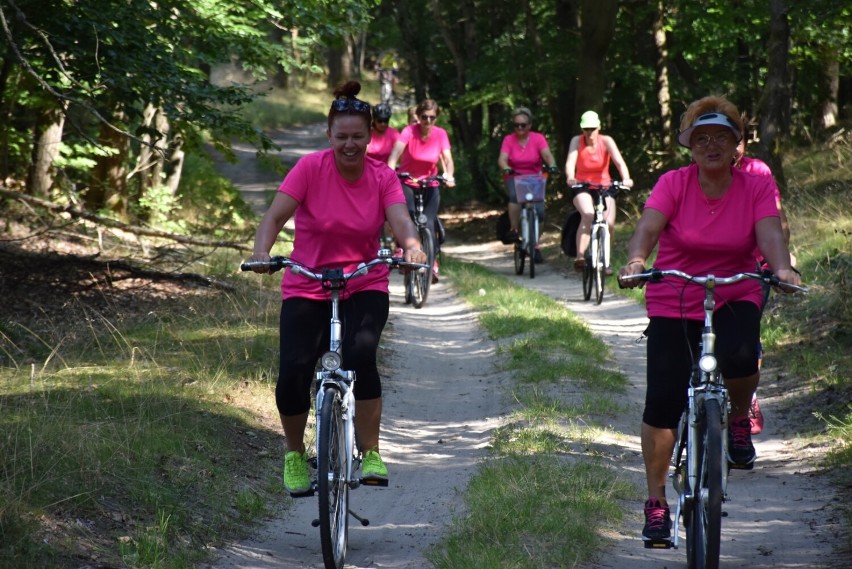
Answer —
656 275
279 262
422 182
610 190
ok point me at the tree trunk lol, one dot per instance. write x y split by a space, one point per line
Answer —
47 138
776 99
109 176
662 73
597 28
828 90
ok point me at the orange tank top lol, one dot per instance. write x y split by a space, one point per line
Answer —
593 164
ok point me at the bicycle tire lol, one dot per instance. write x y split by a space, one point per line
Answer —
600 264
424 279
520 257
587 275
707 512
408 285
531 242
331 481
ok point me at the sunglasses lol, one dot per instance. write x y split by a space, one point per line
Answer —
521 124
343 104
429 118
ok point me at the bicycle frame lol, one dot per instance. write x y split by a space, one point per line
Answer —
417 284
528 198
597 254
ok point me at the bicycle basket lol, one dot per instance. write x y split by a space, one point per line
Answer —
530 188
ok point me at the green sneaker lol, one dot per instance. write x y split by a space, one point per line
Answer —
297 480
373 467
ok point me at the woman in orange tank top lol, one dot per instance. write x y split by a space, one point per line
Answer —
589 156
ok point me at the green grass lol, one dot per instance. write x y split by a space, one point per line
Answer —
550 490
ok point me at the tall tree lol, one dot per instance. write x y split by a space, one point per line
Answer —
775 105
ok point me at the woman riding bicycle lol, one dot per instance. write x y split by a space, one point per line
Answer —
523 152
707 217
382 135
588 160
418 151
340 199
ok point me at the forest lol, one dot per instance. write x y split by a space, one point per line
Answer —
102 101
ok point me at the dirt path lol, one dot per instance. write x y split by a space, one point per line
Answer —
443 399
778 515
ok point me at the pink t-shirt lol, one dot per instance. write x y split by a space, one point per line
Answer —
760 168
381 143
524 159
593 165
338 223
706 236
420 158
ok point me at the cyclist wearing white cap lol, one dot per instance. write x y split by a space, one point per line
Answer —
589 156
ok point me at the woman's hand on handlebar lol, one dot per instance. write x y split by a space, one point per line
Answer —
261 258
415 255
631 268
788 276
627 182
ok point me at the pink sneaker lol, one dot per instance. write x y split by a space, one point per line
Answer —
435 272
755 416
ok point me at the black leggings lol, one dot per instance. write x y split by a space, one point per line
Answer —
672 346
304 327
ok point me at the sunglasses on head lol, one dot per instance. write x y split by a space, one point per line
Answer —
521 124
428 117
344 104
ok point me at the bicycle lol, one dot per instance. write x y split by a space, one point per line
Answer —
529 189
337 456
699 461
598 252
417 283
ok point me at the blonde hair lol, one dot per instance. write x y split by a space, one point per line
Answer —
711 104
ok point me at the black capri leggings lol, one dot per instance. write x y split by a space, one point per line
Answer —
672 346
431 203
304 338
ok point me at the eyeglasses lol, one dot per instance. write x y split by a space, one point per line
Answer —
428 117
521 124
704 140
344 104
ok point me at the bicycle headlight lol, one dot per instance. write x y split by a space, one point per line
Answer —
528 196
707 363
422 219
330 361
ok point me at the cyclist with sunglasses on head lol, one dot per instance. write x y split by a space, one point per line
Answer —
418 151
706 217
382 136
522 153
588 160
339 199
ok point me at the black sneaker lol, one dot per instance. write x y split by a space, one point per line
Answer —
740 450
538 258
658 521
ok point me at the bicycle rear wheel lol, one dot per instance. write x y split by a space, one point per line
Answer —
331 481
423 279
599 256
532 229
703 535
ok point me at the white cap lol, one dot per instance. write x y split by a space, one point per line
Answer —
720 119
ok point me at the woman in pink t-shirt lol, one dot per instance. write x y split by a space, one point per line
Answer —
588 160
708 217
339 199
382 135
523 152
418 151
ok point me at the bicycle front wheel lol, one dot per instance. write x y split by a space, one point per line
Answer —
587 275
704 533
599 262
331 481
423 279
532 228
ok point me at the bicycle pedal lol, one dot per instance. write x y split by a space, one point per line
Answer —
378 482
735 466
305 494
658 544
